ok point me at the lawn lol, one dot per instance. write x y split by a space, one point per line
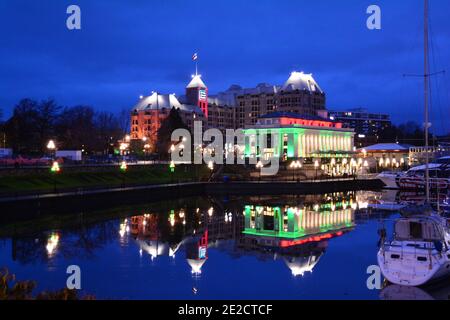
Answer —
73 179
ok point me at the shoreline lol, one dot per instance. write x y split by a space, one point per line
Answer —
85 201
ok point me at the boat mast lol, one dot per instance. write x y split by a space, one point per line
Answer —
426 86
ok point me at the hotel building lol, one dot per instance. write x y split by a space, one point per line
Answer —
234 108
294 111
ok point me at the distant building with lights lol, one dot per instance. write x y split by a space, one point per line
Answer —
367 125
299 136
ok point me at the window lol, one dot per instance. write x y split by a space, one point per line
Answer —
415 230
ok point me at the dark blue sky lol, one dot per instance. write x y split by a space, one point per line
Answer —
128 48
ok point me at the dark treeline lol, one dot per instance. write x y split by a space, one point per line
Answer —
34 123
407 133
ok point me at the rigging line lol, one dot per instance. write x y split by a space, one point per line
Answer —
409 91
436 82
422 75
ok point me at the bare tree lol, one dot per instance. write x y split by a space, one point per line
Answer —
124 120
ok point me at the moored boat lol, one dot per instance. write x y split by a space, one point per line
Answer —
419 251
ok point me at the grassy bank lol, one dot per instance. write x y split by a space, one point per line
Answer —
139 175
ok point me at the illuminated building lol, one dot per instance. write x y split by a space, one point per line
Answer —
235 108
290 226
299 94
367 125
298 235
150 111
299 136
387 155
197 94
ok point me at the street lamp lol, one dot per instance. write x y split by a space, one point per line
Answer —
259 166
380 165
123 168
316 166
295 165
211 165
51 146
366 164
123 147
55 169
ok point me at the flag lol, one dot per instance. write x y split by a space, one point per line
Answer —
194 56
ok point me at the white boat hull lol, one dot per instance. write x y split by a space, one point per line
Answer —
389 180
405 269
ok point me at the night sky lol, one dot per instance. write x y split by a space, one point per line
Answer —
128 48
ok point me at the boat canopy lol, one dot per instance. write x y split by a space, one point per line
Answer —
418 229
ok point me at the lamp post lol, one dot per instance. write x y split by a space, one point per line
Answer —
171 150
123 168
333 167
366 166
211 165
259 166
316 166
51 146
294 166
172 170
55 169
146 147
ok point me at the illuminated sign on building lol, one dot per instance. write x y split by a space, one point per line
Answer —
202 95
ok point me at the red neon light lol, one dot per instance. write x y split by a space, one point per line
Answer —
291 243
315 123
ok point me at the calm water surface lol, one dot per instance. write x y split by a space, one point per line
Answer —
290 247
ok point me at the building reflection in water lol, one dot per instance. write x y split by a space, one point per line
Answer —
197 253
145 231
296 232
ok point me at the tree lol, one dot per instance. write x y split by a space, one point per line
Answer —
47 116
32 125
406 133
124 121
80 127
22 127
108 130
76 128
10 289
168 125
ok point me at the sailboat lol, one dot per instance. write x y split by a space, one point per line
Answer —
420 249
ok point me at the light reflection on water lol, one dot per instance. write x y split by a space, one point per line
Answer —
291 247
